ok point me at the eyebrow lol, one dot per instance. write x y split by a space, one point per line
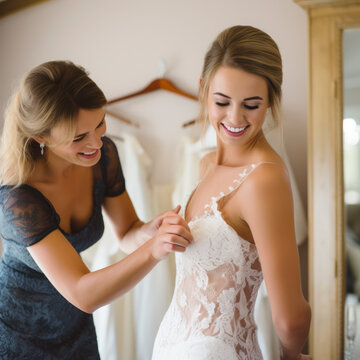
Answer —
246 99
76 136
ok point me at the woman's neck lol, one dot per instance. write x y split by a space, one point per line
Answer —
53 169
235 156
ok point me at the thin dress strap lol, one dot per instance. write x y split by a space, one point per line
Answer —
246 171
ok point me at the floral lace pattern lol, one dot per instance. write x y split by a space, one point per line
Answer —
211 315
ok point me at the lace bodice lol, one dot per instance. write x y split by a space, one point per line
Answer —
218 276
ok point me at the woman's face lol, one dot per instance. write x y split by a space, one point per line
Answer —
85 148
237 104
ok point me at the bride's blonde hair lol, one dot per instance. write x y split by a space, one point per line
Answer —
249 49
50 95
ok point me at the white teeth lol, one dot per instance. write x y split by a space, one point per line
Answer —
235 130
90 153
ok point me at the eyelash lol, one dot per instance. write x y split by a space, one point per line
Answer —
245 106
99 126
79 139
251 107
101 123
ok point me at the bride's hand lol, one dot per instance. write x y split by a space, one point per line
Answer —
173 235
151 227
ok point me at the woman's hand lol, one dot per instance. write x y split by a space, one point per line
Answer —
151 227
173 234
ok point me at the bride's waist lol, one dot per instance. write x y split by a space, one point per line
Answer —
201 320
195 308
216 290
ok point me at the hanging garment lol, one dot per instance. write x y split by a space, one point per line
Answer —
115 322
148 200
190 153
301 230
153 294
127 327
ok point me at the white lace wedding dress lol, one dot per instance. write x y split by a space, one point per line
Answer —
211 316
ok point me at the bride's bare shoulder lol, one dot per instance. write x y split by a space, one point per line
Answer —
268 178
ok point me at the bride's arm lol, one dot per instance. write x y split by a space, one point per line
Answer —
268 210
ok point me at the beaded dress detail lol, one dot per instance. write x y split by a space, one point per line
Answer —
211 315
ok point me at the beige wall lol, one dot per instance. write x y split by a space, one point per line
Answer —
120 42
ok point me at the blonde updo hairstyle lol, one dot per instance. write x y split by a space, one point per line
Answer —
50 95
248 49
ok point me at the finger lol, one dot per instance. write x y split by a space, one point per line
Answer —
177 209
177 230
173 231
179 241
174 247
176 220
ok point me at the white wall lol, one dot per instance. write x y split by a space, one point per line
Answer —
121 42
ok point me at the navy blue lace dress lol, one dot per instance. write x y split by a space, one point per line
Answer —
36 322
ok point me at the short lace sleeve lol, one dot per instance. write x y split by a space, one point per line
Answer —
26 216
112 171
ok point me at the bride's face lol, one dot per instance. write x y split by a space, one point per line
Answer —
237 104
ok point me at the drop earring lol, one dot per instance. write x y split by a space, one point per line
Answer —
42 146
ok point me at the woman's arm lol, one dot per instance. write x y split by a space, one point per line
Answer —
131 231
268 210
87 290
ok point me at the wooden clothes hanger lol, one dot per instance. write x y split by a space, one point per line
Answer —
188 123
157 84
121 118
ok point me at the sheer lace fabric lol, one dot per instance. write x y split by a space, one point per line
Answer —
211 315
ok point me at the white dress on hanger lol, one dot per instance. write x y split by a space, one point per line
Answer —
211 315
118 327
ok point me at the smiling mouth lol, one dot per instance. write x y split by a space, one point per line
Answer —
89 155
234 131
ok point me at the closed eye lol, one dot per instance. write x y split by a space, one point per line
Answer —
82 136
222 104
102 122
79 138
251 107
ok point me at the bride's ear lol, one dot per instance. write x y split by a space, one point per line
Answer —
38 139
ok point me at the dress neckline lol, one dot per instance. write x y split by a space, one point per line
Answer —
222 194
58 216
72 234
211 208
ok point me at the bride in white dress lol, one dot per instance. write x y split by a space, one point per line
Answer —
240 216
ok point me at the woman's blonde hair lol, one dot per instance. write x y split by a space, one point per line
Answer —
50 95
248 49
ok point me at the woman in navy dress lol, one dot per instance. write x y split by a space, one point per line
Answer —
57 172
